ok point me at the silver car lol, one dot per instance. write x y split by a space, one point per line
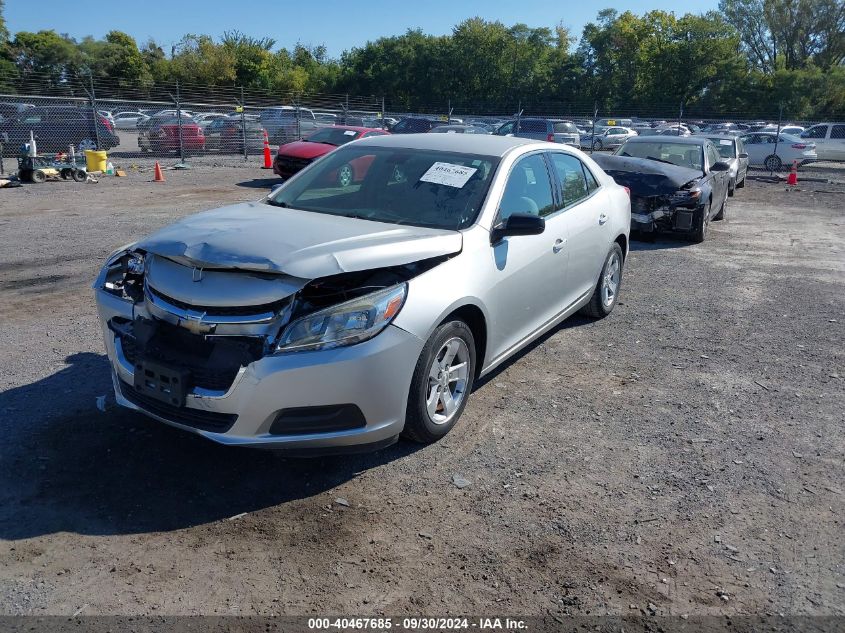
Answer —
732 151
324 318
606 138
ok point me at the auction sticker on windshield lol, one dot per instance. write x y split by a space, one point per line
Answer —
725 142
448 174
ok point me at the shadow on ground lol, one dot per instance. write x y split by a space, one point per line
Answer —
65 466
260 183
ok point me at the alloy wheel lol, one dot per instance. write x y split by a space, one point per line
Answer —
610 280
447 380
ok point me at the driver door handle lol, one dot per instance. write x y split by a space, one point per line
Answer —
603 218
558 247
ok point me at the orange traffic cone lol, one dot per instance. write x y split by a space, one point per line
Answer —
158 177
268 160
792 179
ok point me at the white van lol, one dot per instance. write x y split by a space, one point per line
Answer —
829 139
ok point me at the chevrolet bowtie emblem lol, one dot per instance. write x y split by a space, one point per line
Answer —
197 274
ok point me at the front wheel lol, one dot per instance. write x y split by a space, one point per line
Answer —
441 383
607 289
598 145
700 232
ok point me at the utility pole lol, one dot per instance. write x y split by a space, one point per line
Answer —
243 124
680 117
777 136
96 115
593 132
179 121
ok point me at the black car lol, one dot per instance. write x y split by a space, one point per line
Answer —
415 125
56 128
677 184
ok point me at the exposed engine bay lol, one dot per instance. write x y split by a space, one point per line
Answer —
185 331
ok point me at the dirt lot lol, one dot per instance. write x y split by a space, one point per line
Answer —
684 456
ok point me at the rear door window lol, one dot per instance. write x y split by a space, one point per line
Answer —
533 126
837 132
817 131
572 178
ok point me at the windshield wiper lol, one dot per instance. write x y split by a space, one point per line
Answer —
660 160
277 203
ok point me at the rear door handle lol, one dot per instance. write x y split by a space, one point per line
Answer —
603 218
558 247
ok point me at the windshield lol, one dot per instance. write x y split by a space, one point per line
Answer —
333 136
726 146
395 185
681 154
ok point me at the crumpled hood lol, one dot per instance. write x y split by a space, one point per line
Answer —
645 177
257 236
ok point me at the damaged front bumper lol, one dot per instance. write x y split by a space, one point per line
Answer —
346 398
667 218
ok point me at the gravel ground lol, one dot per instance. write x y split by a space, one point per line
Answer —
684 456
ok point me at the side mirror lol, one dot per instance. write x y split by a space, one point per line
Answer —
720 166
518 224
743 155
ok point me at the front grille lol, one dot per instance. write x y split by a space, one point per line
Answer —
213 364
215 311
291 165
203 420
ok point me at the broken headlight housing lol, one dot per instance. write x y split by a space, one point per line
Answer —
123 274
346 323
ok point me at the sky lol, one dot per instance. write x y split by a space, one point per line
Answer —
339 25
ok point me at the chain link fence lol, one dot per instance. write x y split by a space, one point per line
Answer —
192 123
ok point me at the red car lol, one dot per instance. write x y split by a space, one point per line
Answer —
292 157
162 135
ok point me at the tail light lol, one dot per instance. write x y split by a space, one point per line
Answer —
799 146
550 138
105 123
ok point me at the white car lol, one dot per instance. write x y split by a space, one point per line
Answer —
607 138
794 130
129 120
829 139
763 150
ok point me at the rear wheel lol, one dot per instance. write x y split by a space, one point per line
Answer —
731 188
65 174
345 176
741 183
38 176
773 163
441 383
78 175
606 293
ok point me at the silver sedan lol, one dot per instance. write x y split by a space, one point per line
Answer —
333 316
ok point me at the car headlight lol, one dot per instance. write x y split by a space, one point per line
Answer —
346 323
123 273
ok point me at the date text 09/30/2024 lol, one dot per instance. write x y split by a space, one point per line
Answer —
416 624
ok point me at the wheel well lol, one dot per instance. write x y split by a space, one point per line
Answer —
474 318
623 244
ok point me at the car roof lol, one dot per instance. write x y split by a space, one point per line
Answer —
688 140
481 144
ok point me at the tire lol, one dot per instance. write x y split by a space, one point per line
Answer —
773 163
426 423
731 189
606 294
741 183
78 175
65 174
598 145
721 214
39 176
345 175
700 233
